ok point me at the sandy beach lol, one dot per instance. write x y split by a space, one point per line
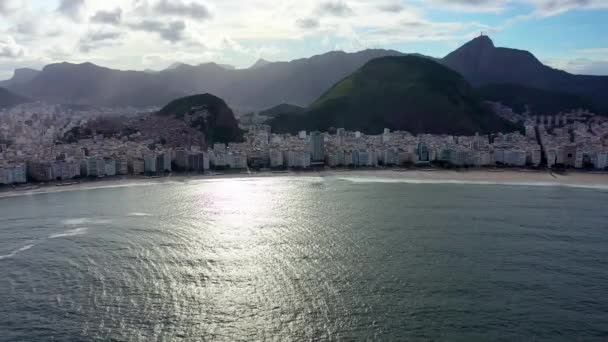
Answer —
597 180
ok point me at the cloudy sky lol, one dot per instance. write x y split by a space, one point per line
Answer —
152 34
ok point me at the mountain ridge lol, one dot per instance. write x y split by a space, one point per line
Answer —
300 82
406 93
482 63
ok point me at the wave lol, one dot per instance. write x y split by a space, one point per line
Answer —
370 180
139 215
86 186
15 252
84 220
71 232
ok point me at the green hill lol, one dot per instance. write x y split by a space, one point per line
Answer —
538 101
402 93
212 116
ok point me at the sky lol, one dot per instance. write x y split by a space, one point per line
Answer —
152 34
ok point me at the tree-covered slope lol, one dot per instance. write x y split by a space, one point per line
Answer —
208 113
537 101
402 93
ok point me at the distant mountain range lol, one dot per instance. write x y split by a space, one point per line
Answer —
299 82
21 76
264 85
407 93
9 99
260 64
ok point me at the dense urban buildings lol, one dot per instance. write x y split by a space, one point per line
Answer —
32 148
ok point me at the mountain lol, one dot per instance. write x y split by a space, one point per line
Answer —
283 108
537 101
481 63
299 82
402 93
227 66
8 99
21 76
87 83
176 65
211 115
260 64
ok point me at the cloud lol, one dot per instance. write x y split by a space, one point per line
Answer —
391 8
8 7
10 49
172 32
544 8
470 5
96 40
71 8
597 51
580 66
335 8
108 17
99 36
179 8
307 23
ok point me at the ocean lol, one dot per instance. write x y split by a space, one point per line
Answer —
305 259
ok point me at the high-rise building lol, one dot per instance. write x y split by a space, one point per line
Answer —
423 153
317 144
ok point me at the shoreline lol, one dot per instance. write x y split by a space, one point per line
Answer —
523 177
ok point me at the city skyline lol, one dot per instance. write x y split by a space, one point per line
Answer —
139 35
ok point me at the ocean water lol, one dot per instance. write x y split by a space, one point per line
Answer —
305 259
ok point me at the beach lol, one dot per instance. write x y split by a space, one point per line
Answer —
579 179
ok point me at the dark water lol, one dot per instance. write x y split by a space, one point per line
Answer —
291 259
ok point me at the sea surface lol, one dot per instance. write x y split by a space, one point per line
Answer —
305 259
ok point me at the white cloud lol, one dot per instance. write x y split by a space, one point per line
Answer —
545 8
580 66
469 5
71 8
597 51
10 49
9 7
233 31
108 17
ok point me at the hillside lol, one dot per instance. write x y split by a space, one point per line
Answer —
537 101
20 76
8 99
402 93
209 114
283 108
481 63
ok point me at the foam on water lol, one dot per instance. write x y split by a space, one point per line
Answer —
15 252
71 232
139 215
66 233
51 190
369 180
84 220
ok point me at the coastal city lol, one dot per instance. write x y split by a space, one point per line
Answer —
34 148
